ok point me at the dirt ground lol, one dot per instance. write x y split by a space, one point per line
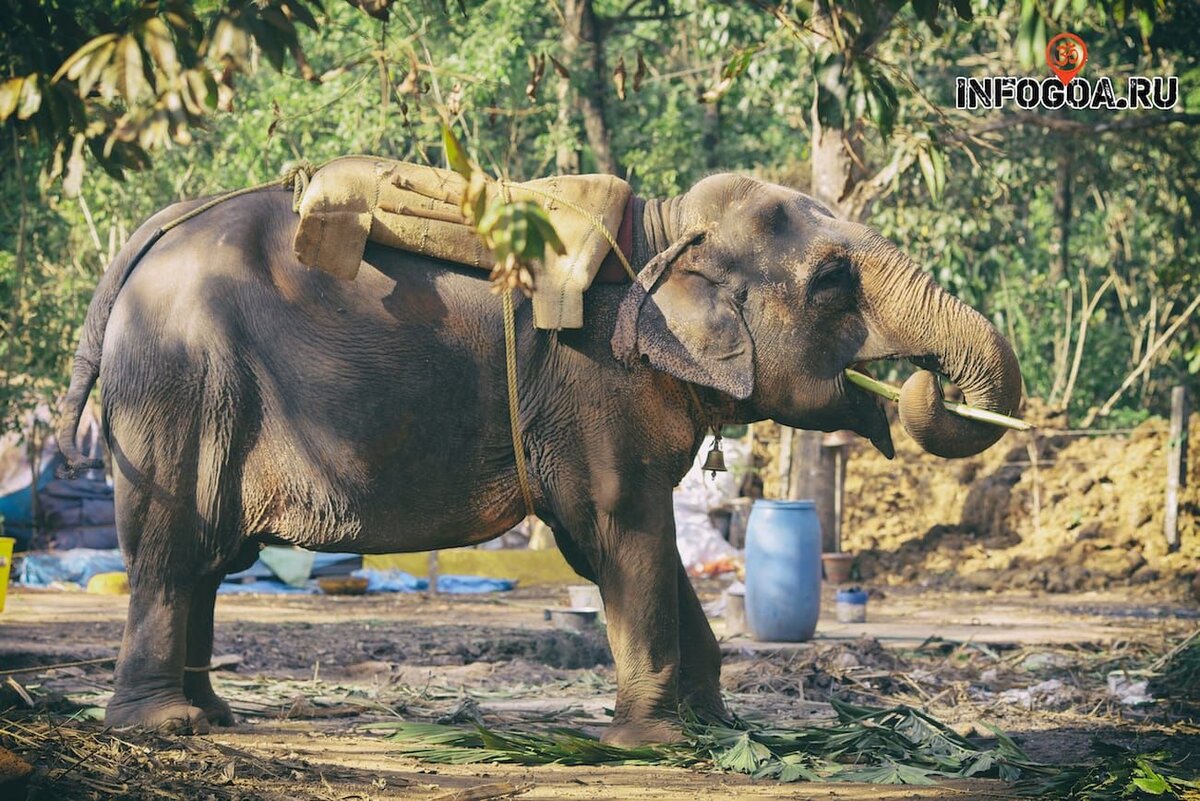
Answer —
314 674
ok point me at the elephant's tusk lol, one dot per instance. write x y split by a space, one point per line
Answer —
864 381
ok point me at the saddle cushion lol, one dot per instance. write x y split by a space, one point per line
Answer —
356 199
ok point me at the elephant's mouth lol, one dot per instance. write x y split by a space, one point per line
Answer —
868 415
869 412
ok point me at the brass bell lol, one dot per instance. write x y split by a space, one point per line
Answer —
715 461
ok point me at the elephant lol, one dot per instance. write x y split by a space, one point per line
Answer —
248 399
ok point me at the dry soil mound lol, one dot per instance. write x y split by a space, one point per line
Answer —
1054 512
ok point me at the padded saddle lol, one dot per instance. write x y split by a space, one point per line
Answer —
352 200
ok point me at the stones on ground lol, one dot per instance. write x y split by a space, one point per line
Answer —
1045 660
1049 694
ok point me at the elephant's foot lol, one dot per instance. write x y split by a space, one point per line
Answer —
634 734
707 707
198 689
167 713
215 708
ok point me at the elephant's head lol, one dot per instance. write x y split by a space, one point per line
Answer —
766 297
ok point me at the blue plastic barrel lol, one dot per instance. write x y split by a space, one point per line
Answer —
783 570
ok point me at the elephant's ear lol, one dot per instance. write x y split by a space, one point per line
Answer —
682 322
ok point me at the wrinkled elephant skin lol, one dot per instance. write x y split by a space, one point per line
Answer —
248 399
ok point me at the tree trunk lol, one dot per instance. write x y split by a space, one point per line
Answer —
711 138
838 167
814 477
566 156
583 45
835 172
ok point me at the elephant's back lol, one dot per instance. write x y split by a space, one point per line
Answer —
196 267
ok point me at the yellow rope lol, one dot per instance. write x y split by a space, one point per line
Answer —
596 222
297 178
514 404
510 333
514 410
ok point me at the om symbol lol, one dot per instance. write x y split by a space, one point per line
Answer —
1066 54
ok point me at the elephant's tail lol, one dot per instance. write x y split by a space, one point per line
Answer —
91 342
87 356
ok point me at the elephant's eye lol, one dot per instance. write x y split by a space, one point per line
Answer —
831 279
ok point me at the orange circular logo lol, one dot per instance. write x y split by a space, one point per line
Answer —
1066 54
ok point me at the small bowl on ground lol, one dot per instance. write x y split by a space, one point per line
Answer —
342 585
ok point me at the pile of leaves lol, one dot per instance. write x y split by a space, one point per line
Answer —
897 745
1120 773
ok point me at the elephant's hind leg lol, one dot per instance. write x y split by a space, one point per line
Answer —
197 684
148 691
149 675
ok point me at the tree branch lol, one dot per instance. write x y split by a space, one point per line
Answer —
866 191
1145 364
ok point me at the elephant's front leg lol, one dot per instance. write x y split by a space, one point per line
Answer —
700 655
639 582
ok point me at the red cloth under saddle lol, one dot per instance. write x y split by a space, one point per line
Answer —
611 271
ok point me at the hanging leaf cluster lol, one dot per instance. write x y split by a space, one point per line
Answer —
518 233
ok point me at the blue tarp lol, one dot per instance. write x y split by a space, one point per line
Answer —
384 581
399 581
17 508
458 585
77 565
80 564
265 587
392 581
323 564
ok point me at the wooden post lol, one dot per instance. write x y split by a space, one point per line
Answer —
786 437
839 494
433 572
1177 461
813 477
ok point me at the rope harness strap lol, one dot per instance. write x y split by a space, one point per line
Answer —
595 221
510 336
514 408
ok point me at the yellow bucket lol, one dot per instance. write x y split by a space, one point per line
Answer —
6 549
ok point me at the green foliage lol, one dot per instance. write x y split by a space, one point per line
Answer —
995 238
518 233
1118 773
900 745
123 81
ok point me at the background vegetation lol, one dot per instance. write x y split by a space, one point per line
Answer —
1074 231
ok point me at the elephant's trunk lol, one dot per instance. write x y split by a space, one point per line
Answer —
938 331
